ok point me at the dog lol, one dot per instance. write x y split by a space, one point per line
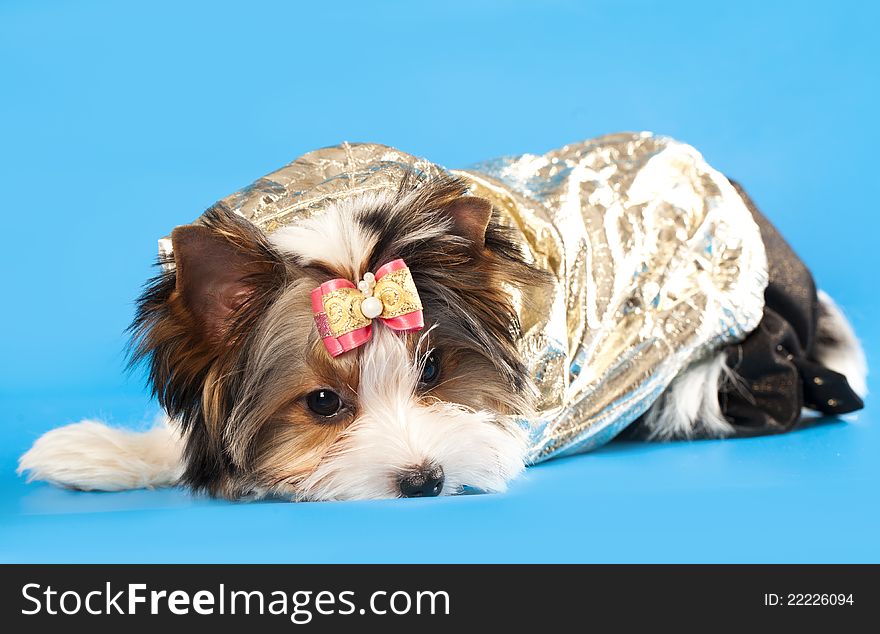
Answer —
399 335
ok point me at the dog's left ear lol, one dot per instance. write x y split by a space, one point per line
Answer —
470 217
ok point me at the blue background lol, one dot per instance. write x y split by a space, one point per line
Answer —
119 121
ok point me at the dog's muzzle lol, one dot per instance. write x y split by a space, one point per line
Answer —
425 482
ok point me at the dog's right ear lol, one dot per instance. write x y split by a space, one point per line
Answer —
211 276
216 273
224 274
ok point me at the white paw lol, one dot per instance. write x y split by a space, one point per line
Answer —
89 455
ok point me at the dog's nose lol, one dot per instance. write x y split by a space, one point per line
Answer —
425 482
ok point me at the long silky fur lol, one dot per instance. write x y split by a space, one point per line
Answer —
464 289
194 379
459 282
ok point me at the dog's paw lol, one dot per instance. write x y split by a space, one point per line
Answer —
91 456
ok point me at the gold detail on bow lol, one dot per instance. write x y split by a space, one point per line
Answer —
396 290
343 308
398 294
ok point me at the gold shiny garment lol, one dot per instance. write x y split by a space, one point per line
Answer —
657 261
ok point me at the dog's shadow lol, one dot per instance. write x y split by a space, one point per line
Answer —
627 442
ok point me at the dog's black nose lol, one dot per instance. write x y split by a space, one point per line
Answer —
425 482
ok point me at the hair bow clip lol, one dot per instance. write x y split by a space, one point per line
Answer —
344 312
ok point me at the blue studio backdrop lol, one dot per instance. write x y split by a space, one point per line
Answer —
119 121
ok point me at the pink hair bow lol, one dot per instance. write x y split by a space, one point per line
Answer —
344 313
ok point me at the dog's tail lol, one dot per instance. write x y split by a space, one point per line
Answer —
92 456
837 346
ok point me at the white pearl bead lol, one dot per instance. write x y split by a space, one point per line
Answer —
371 307
369 278
364 287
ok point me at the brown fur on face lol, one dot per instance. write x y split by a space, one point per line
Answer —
233 351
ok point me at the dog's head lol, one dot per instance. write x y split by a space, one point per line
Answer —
235 357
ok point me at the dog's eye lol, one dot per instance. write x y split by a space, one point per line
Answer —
324 402
431 369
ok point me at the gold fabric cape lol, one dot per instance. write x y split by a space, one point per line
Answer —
656 257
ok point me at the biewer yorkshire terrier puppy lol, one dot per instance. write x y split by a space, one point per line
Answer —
363 324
